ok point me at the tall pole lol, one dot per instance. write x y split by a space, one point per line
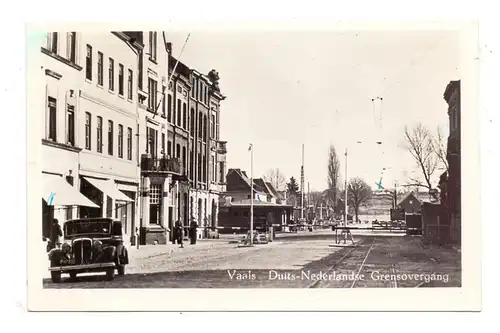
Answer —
251 194
302 186
308 195
308 200
345 212
395 195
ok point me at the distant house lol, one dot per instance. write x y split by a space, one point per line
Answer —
238 186
265 187
411 204
235 205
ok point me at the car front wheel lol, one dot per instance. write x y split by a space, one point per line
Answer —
121 269
110 274
55 276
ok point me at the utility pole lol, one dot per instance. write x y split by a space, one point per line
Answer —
345 212
302 186
251 194
308 200
395 195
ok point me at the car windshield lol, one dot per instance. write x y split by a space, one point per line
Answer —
87 227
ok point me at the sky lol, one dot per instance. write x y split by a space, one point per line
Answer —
315 88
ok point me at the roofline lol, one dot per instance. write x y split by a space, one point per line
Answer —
124 37
449 87
218 95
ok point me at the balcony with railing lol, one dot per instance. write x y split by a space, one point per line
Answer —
161 165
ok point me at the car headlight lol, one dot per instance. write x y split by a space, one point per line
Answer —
97 245
66 248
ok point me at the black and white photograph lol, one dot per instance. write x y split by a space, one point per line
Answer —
305 158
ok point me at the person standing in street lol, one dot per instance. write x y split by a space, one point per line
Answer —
55 234
193 231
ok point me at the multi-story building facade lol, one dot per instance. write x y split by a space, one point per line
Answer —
453 97
108 105
207 152
178 136
90 125
161 169
182 160
61 144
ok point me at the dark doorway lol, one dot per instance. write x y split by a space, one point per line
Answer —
214 214
171 222
186 211
200 217
48 216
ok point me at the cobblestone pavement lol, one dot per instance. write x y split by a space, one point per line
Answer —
286 264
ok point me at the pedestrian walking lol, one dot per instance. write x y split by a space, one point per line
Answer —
55 234
180 233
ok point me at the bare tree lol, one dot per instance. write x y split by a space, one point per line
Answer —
333 175
439 146
358 193
276 178
419 143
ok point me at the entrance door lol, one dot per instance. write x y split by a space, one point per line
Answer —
154 205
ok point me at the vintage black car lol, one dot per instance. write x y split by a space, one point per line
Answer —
90 245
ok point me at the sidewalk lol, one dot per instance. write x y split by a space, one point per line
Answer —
149 251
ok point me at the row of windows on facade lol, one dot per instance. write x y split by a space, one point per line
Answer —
70 130
152 148
111 73
53 45
199 90
179 116
180 120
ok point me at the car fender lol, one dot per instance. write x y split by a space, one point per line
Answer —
55 254
108 254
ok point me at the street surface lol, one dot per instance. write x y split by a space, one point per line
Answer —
301 260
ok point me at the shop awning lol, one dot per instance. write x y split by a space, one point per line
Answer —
57 192
108 187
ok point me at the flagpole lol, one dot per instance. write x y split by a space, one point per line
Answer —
173 70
